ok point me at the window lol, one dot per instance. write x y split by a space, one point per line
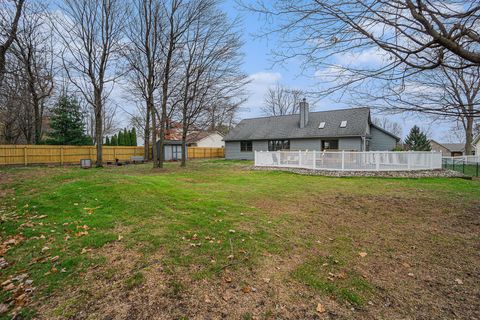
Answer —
343 124
275 145
329 144
245 146
321 125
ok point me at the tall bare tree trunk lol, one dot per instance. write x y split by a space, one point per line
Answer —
155 150
98 125
146 134
184 138
469 135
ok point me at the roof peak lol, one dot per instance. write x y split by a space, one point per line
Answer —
297 114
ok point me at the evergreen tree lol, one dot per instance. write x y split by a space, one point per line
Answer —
121 139
134 136
126 136
417 140
67 123
107 141
114 141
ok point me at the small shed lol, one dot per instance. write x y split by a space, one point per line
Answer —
172 149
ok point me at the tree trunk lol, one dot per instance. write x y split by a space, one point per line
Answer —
184 141
98 126
469 135
154 136
146 134
37 121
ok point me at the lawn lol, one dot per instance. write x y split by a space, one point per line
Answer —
218 240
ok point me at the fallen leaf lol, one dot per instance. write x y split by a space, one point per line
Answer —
85 250
9 287
362 254
53 259
246 289
120 237
53 270
459 281
231 231
410 274
45 249
231 256
321 308
6 282
266 280
81 233
3 308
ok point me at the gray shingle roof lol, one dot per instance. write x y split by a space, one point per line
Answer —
454 147
287 127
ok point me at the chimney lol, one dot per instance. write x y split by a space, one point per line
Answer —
303 113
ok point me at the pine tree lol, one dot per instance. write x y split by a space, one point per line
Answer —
121 139
134 136
126 136
67 124
114 141
417 140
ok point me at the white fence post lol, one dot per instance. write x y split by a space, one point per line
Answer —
409 161
377 162
314 159
299 158
255 157
343 160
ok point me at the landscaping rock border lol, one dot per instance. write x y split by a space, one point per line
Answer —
440 173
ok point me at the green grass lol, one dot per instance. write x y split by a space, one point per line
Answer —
202 219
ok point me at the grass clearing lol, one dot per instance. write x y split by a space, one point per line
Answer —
219 239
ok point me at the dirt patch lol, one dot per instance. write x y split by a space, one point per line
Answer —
422 253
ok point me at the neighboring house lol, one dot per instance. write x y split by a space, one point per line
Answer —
195 137
448 149
205 139
345 129
173 149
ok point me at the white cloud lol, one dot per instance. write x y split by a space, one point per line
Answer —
258 86
368 57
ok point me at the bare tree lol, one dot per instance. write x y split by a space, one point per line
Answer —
280 100
33 48
146 62
92 34
389 125
443 94
421 33
9 18
210 66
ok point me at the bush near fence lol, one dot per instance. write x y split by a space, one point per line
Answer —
52 154
202 152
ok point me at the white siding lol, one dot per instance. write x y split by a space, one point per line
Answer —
214 140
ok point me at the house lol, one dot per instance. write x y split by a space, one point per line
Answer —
448 149
205 139
172 148
345 129
196 137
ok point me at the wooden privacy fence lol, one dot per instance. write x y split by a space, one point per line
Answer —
48 154
201 152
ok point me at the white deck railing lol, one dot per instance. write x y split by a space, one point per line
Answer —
350 161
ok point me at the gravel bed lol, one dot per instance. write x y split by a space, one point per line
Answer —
388 174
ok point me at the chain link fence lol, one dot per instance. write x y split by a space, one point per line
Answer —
468 165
